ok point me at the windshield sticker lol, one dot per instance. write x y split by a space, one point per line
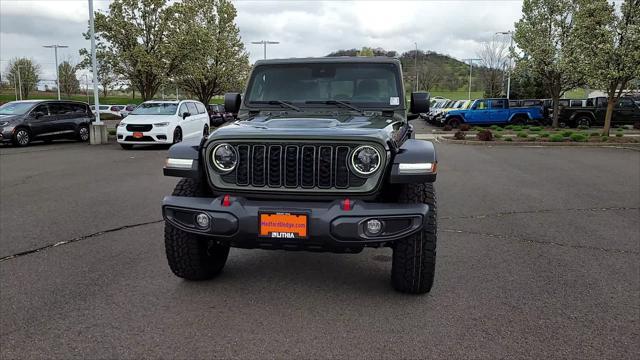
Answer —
394 100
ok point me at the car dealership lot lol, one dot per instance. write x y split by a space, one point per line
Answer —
538 256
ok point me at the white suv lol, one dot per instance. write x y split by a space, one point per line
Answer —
163 122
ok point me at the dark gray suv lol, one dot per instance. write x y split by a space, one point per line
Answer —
22 122
323 158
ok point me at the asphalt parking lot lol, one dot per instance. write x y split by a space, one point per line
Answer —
538 257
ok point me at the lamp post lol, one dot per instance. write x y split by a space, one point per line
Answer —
86 84
470 67
19 80
264 44
416 65
55 51
510 33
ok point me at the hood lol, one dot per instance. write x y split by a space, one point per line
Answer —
371 126
10 118
147 119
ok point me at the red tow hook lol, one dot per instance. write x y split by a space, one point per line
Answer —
347 204
226 201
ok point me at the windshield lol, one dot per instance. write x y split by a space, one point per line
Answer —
367 85
155 109
15 108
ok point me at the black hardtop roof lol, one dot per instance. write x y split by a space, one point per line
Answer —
332 60
38 101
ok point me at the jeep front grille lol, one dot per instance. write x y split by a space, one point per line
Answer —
289 166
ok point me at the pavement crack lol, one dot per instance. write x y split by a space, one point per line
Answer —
541 211
65 242
539 242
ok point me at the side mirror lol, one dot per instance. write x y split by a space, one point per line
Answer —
232 102
419 103
185 115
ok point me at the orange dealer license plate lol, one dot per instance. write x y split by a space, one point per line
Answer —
283 225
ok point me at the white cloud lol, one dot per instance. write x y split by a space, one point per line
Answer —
303 28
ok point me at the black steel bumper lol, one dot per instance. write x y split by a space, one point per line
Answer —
330 227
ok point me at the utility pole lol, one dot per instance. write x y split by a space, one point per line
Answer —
264 43
86 89
98 133
19 80
55 51
470 67
416 65
510 33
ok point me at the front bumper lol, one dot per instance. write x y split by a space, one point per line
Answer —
6 134
157 135
330 228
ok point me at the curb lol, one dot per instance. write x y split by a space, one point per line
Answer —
447 140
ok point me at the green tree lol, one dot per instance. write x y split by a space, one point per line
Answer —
107 77
23 71
69 83
544 35
218 62
612 60
143 44
366 51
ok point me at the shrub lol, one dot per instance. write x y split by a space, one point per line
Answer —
583 127
464 127
509 127
497 136
620 129
556 138
522 134
567 133
447 128
535 128
544 134
508 139
636 125
619 134
525 126
604 138
593 134
485 135
578 137
459 135
499 129
494 127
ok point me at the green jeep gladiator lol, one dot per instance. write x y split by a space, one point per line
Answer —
322 158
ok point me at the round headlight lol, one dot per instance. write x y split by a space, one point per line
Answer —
224 157
365 160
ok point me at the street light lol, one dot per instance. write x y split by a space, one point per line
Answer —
470 67
510 33
55 48
86 84
264 43
416 64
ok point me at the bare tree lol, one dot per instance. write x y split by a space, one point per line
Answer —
494 57
430 76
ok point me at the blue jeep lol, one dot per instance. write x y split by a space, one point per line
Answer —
493 111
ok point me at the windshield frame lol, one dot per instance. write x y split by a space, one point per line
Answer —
141 106
257 105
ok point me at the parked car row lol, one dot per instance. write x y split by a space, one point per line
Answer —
22 122
572 112
152 122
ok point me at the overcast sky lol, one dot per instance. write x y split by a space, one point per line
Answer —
303 28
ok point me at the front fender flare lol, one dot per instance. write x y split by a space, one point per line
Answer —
414 152
189 149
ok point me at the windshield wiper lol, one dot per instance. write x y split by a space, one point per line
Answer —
337 102
278 102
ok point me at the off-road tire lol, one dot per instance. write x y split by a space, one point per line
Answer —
414 257
583 120
126 146
519 120
191 256
454 122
